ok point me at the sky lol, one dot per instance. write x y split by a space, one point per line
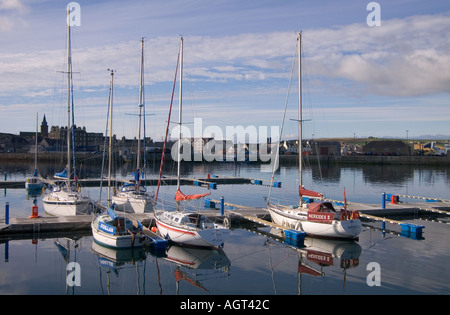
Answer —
358 79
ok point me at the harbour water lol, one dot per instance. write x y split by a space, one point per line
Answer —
251 263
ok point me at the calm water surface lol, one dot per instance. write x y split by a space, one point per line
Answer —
251 263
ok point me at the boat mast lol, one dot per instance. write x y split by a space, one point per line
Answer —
69 84
141 104
110 136
179 114
36 144
300 112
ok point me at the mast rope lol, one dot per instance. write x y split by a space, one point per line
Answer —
167 130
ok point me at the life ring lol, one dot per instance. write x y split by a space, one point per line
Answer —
355 215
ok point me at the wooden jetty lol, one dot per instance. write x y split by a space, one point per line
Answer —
236 214
95 182
49 224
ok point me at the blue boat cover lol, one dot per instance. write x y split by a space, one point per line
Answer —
62 174
112 214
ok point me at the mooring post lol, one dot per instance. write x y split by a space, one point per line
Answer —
7 251
222 206
7 213
383 201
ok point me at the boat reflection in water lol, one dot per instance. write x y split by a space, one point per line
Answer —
195 265
316 254
213 263
326 253
114 260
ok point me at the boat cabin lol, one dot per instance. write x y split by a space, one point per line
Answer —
321 207
321 212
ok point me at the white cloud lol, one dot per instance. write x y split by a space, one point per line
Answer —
11 14
13 5
403 57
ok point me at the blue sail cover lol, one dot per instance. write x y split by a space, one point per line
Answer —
62 174
112 214
136 176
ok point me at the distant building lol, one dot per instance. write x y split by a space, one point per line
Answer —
13 143
84 141
325 147
387 147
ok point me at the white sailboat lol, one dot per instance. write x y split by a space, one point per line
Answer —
117 231
318 219
186 227
132 196
113 231
67 199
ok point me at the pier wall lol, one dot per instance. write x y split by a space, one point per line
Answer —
370 159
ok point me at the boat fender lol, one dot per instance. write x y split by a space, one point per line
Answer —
343 215
355 215
298 226
226 223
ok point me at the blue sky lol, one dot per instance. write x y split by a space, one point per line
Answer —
358 80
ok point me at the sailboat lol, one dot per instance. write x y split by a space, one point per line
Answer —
132 196
185 227
66 199
318 219
34 183
117 231
114 231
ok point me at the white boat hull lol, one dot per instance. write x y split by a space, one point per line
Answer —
133 203
62 203
295 219
211 237
114 241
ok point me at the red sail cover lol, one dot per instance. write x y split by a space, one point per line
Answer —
180 196
305 192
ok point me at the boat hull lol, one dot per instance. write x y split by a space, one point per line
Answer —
133 203
34 187
34 184
189 236
66 204
114 241
336 229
